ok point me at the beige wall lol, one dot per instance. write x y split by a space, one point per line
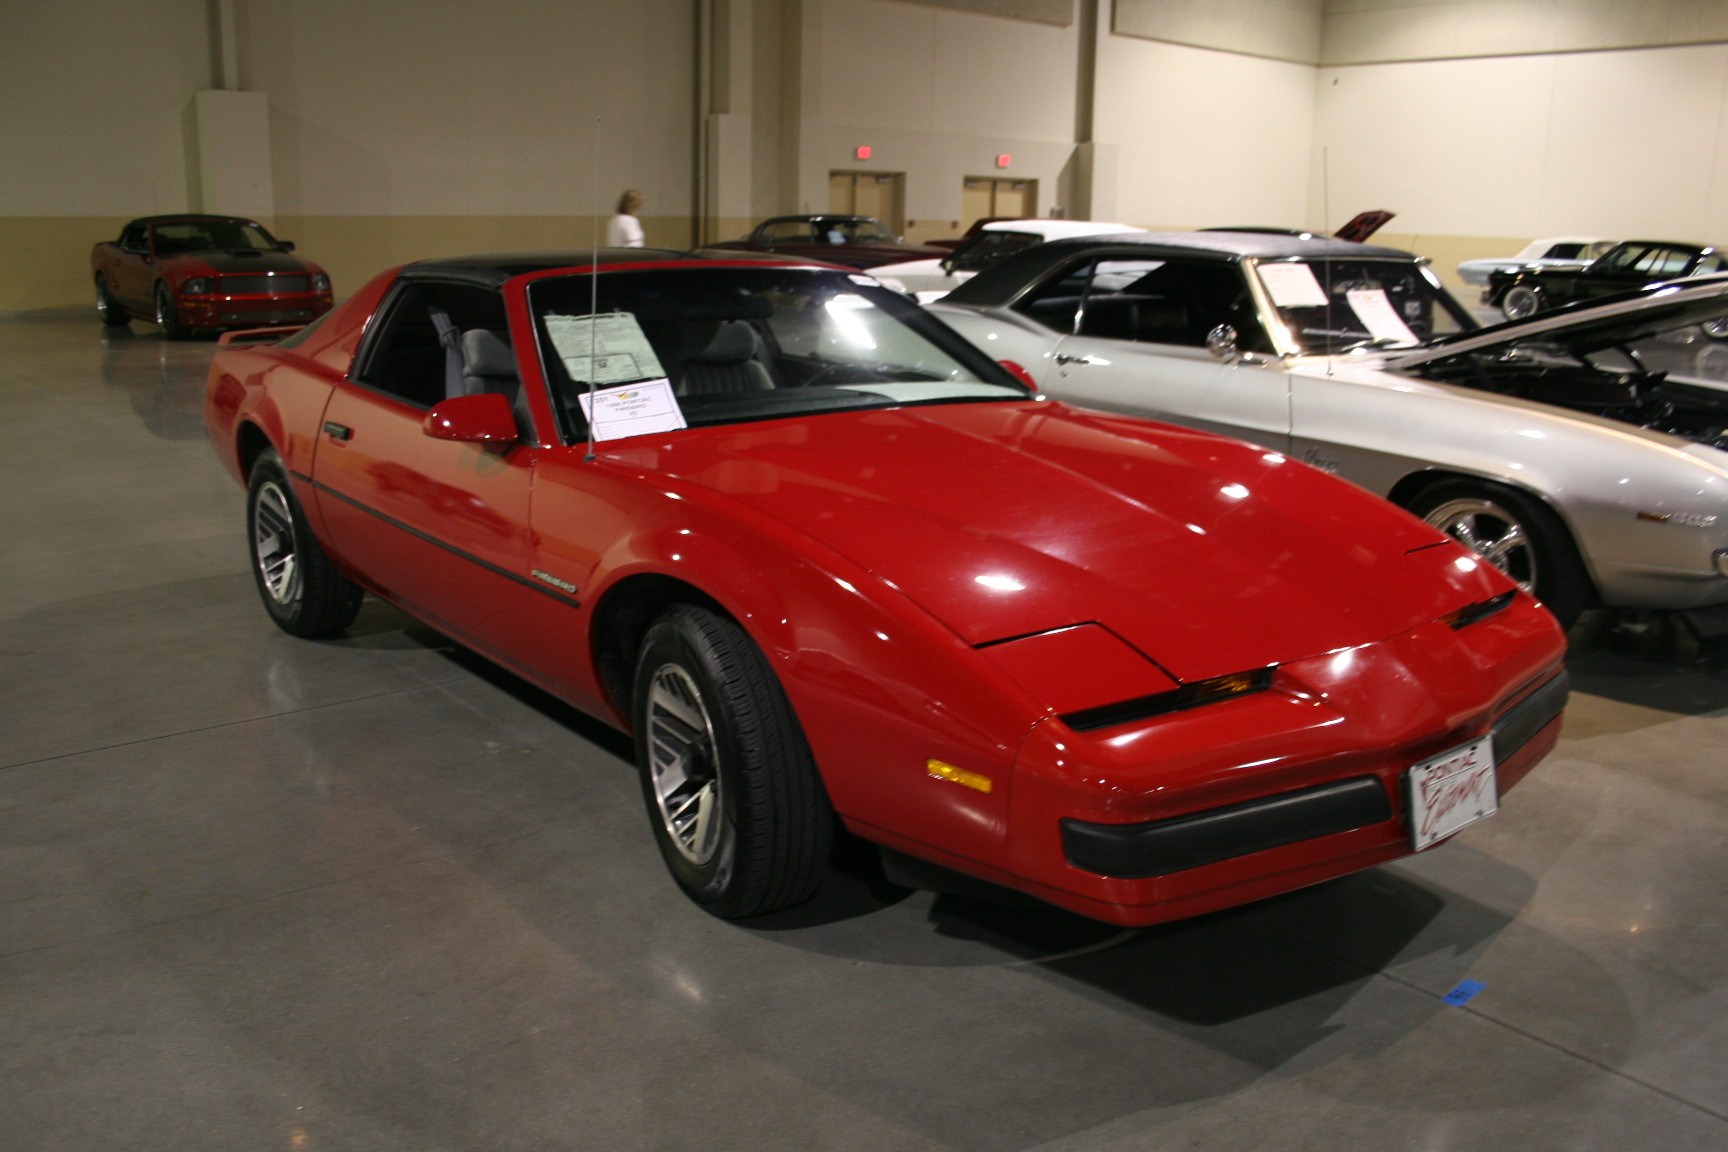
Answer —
398 131
91 103
1368 31
937 94
1618 144
1279 29
1203 137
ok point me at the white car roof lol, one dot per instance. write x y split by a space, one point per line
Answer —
1537 248
1059 229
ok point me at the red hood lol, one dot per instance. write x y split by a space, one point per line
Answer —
1209 555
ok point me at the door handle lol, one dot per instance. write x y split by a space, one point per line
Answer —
1064 358
337 431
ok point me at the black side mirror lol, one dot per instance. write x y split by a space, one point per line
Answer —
285 245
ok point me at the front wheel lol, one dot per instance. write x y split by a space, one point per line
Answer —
1520 301
1518 535
168 316
301 588
732 790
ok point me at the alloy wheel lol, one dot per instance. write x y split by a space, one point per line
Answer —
1493 533
682 764
274 546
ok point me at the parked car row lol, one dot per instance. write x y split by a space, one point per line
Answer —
1552 446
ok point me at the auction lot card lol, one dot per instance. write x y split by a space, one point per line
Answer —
634 410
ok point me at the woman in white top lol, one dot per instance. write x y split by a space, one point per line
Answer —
624 230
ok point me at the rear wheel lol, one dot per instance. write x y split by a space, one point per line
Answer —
301 588
1521 300
107 310
168 316
732 790
1517 534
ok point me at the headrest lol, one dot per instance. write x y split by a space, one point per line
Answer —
484 354
734 341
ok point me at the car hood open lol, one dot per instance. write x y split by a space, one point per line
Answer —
1007 519
1586 327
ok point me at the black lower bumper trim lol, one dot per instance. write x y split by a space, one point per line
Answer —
1135 851
1530 715
1157 848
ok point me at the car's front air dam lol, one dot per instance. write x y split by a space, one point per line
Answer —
1345 717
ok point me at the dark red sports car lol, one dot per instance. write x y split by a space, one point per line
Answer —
191 272
834 566
858 241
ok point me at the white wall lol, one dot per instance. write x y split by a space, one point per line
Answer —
937 94
1204 137
1627 143
450 108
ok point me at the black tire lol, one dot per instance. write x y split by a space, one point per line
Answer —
167 316
1517 534
107 310
1522 301
302 590
732 790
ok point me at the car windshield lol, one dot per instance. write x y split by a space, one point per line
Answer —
735 345
1337 305
211 236
986 248
831 231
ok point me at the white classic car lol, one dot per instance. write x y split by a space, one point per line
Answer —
933 279
1582 451
1552 252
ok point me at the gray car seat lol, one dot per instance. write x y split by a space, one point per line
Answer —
729 361
489 365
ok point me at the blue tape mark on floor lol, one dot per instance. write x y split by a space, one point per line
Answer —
1462 994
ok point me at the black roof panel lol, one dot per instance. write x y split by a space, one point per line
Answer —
1001 283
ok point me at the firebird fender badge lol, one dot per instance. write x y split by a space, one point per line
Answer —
548 578
1312 457
1685 519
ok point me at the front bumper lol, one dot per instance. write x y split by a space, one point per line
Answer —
1161 847
252 311
1247 798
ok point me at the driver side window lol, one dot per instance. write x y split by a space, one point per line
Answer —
440 340
1174 302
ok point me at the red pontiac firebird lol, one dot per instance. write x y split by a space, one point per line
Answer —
833 566
190 272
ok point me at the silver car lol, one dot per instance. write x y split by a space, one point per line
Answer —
1584 451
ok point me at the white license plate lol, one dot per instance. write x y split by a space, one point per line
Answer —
1452 790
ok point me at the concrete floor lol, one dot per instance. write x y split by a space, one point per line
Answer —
373 894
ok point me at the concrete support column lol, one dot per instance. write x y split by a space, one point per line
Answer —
725 163
228 146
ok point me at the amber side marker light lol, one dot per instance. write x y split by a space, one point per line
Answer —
1480 610
942 770
1188 696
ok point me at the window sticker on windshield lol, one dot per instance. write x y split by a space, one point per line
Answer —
1292 285
867 281
1379 317
605 349
640 409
